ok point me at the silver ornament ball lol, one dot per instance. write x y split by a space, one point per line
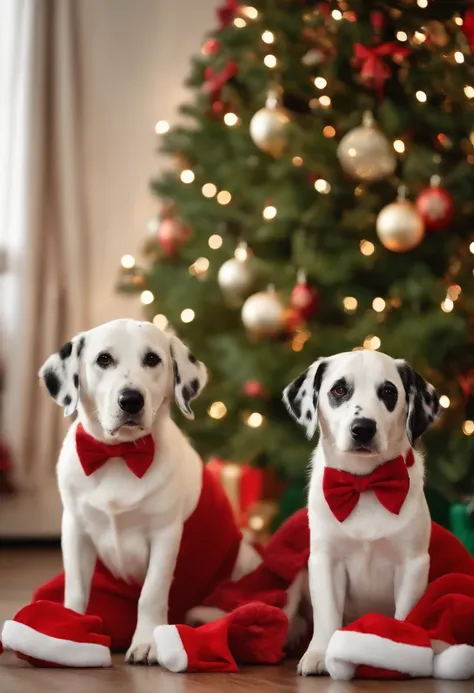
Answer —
365 153
399 226
236 277
263 314
268 127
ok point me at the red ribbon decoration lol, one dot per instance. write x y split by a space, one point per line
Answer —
226 12
468 28
373 68
214 81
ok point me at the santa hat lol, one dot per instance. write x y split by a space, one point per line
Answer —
252 634
376 646
46 634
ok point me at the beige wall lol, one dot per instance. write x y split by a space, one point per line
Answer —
135 57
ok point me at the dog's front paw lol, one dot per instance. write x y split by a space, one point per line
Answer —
312 663
141 653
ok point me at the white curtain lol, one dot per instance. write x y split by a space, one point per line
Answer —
43 232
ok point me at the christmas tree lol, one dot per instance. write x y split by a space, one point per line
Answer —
320 198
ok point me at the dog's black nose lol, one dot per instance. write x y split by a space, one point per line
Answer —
131 401
363 430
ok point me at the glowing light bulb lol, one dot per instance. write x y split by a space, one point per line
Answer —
161 321
147 297
329 131
322 186
250 12
269 212
458 20
336 14
187 176
127 261
459 57
162 127
224 197
187 315
372 342
422 3
231 119
447 305
268 37
419 37
215 241
378 304
469 91
402 36
325 101
367 248
399 146
297 161
239 22
444 401
217 410
468 428
255 420
241 253
209 190
201 265
421 96
320 82
270 61
350 304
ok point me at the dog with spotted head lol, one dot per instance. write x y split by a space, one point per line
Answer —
369 520
129 479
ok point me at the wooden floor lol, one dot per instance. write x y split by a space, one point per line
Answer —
22 570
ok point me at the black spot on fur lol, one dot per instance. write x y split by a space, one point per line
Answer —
65 350
308 415
177 377
423 405
194 386
76 380
80 345
292 394
337 400
191 357
67 401
53 383
318 379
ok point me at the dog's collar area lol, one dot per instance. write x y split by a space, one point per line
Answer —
138 455
390 483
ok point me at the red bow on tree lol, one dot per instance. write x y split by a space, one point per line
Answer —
226 12
214 81
390 483
371 62
137 455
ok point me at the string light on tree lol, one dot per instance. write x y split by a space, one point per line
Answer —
297 161
269 212
469 91
215 241
402 36
399 226
422 3
270 61
217 410
372 342
336 14
161 321
209 190
365 153
231 119
239 22
268 37
447 305
147 297
468 427
378 304
399 146
250 12
224 197
254 420
329 131
199 267
269 126
187 315
325 101
322 186
320 82
350 304
444 401
127 261
162 127
187 176
459 57
421 96
367 248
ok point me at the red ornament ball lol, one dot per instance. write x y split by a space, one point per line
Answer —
304 299
254 388
435 206
172 234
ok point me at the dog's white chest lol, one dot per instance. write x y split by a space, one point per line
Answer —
370 573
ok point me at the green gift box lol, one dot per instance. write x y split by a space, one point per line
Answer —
462 524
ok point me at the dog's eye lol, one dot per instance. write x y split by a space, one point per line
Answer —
339 391
389 390
151 359
104 360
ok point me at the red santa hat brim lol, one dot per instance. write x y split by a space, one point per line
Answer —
38 646
398 651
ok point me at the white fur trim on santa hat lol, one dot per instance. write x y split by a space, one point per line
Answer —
21 638
455 664
347 649
170 650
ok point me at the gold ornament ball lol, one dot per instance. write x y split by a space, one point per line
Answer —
399 226
236 278
365 153
263 314
268 127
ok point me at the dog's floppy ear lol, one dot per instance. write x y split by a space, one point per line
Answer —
60 374
301 396
190 376
422 401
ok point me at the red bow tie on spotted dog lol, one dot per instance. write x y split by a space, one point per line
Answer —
390 483
137 455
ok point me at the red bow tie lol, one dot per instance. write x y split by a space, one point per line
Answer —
390 483
138 455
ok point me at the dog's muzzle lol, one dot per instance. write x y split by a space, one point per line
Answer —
131 402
